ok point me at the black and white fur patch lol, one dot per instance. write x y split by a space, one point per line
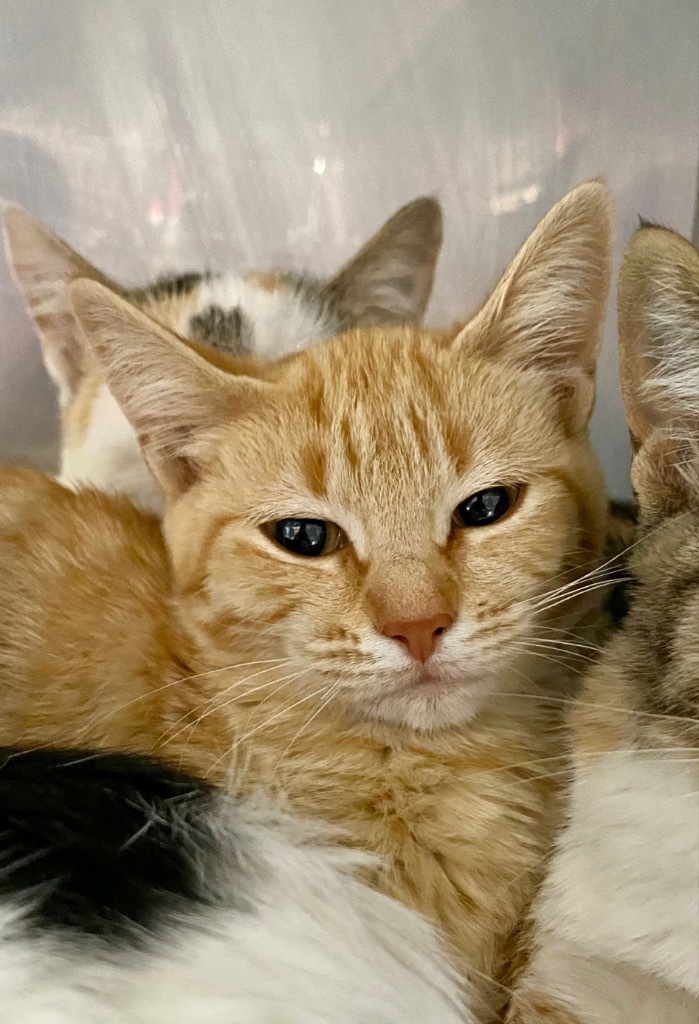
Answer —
226 330
106 845
134 894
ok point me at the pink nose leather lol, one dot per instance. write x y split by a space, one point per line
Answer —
419 636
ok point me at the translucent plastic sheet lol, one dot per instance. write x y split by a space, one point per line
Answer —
182 133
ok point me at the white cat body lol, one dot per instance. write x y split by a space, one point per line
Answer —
619 915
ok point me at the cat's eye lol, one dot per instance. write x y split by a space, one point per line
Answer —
306 537
486 507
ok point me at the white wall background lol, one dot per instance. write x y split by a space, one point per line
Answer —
172 134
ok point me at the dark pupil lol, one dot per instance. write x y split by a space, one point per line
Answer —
302 536
485 507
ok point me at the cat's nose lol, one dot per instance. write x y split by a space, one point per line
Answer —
419 636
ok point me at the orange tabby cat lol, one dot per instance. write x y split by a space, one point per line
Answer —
374 547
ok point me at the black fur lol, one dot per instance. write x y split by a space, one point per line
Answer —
618 601
643 222
101 844
169 285
624 509
616 605
224 329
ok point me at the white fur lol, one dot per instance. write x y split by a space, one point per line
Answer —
313 946
108 457
281 320
598 991
619 916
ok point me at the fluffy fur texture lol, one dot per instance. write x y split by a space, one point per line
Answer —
269 314
617 929
135 895
254 666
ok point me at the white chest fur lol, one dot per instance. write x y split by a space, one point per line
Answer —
108 457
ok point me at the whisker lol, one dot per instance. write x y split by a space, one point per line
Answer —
573 757
540 778
546 657
228 668
580 586
569 643
526 644
176 682
602 571
324 703
279 714
234 747
170 736
282 712
571 595
545 698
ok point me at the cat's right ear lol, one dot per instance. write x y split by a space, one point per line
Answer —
43 267
173 397
658 320
389 281
547 311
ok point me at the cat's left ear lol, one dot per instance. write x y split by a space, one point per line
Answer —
173 397
547 312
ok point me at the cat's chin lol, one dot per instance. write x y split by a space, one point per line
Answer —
431 704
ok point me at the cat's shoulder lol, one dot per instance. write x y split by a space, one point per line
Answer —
21 489
32 503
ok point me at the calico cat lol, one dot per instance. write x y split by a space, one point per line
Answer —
133 894
617 930
372 589
389 281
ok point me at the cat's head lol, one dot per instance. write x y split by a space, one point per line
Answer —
659 355
269 314
398 513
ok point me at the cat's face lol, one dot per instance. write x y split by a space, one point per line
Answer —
659 348
268 314
387 512
376 446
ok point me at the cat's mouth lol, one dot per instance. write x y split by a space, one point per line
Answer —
433 680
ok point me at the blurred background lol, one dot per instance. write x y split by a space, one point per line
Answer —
179 134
